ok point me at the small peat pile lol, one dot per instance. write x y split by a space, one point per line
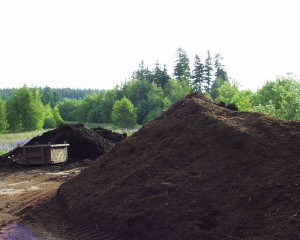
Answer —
84 142
199 171
110 135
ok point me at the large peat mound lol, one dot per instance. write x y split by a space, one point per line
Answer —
84 142
199 171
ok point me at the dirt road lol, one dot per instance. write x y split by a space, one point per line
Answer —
27 205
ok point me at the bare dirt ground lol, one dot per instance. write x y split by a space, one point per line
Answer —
28 208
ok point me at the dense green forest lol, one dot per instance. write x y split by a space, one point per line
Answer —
145 96
52 94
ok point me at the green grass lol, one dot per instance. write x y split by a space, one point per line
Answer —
9 141
20 135
2 152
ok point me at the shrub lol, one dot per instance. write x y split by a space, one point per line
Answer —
49 123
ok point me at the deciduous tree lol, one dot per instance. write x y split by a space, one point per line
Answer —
230 94
123 114
174 90
13 116
281 97
3 116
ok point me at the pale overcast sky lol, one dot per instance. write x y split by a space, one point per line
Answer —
97 44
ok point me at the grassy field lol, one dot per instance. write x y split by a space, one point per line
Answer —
9 141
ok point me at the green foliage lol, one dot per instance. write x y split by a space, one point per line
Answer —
267 109
136 91
182 68
123 114
221 77
219 67
198 75
84 106
94 114
107 103
48 96
30 108
68 109
56 116
151 92
175 90
208 72
48 111
280 98
25 110
6 93
3 116
13 117
143 73
229 93
53 95
160 76
214 91
155 102
49 122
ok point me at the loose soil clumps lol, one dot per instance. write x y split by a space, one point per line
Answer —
84 142
199 171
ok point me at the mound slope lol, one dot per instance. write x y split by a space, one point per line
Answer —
199 171
84 142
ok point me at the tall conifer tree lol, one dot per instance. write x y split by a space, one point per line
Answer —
198 75
160 76
220 71
208 72
182 68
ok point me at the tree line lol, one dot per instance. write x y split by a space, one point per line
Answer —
151 91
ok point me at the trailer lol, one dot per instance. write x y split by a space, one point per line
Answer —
39 154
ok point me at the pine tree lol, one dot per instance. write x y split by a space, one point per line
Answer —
220 71
221 77
48 96
198 75
182 68
143 73
208 72
160 76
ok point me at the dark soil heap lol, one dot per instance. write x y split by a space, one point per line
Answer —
108 134
199 171
84 142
